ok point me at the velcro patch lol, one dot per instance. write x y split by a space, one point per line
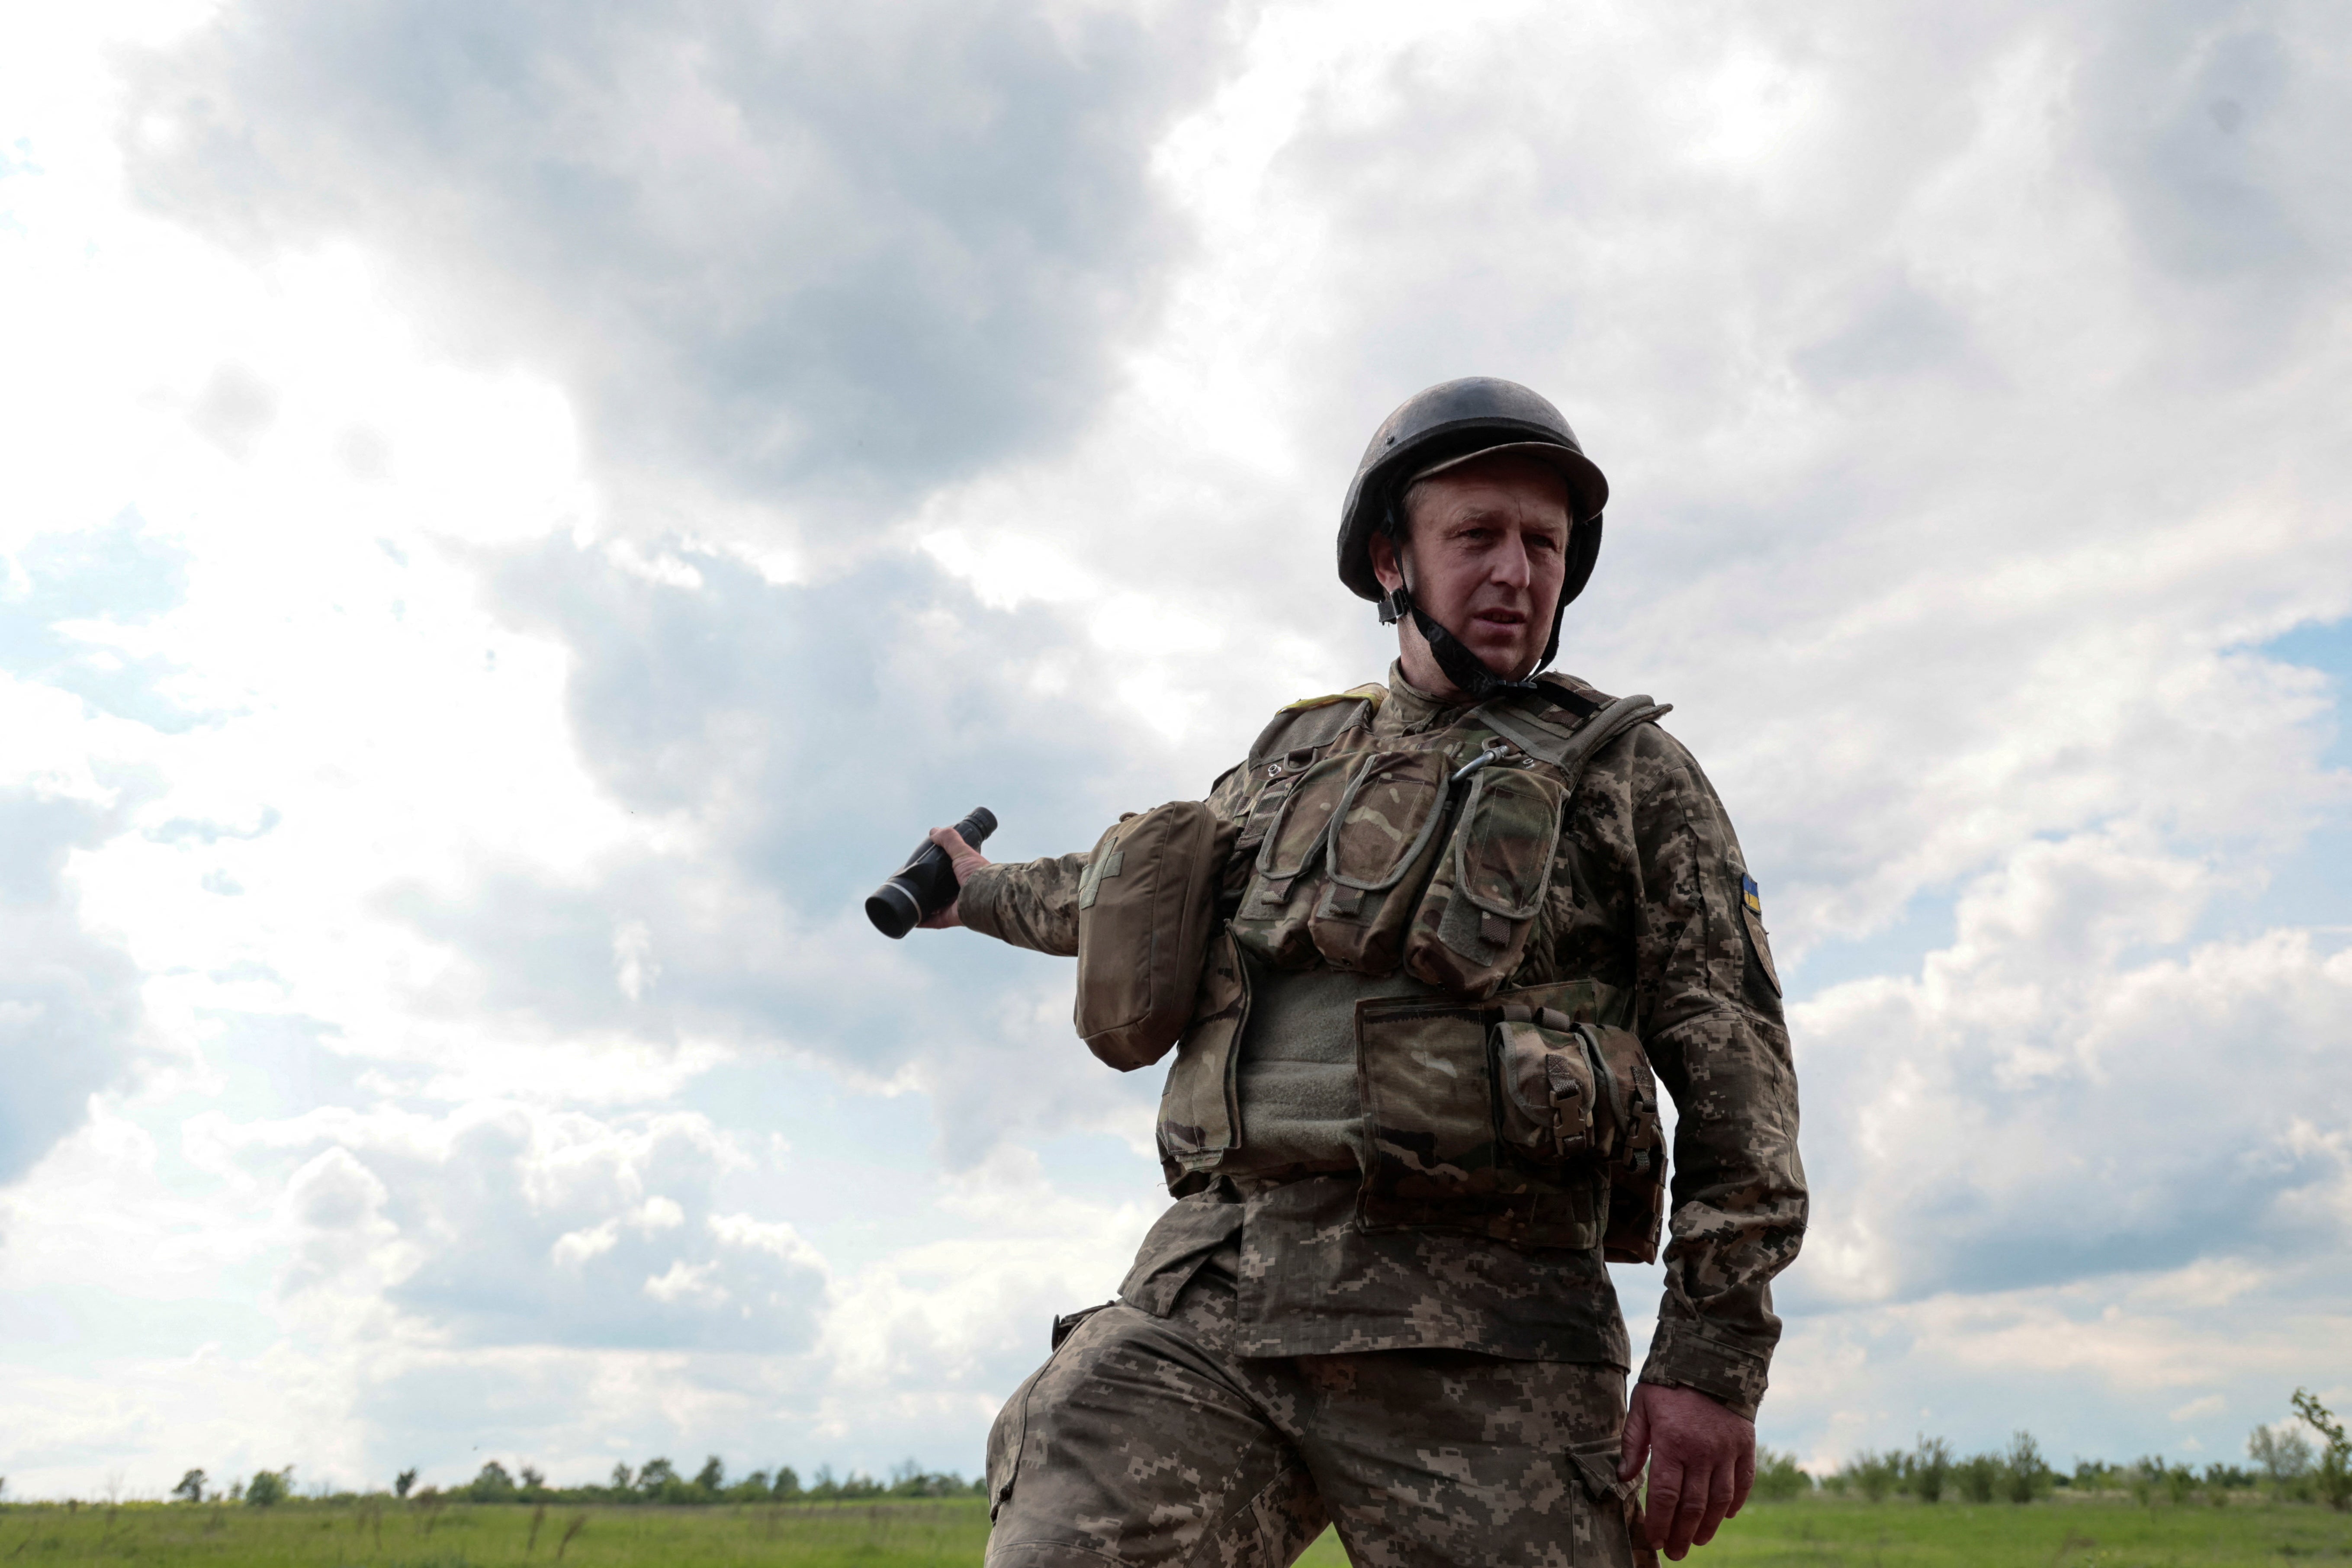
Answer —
1753 895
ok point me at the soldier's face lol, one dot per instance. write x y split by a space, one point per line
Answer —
1488 547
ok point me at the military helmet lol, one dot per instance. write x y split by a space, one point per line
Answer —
1451 422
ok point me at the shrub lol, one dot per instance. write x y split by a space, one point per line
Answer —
191 1488
1978 1475
1872 1474
711 1479
2334 1474
269 1487
403 1481
1778 1477
2025 1473
1931 1466
788 1483
491 1484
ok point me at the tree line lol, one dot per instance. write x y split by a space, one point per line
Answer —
2286 1465
658 1481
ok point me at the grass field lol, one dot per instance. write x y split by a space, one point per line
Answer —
2106 1533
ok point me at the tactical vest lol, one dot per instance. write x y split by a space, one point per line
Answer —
1418 864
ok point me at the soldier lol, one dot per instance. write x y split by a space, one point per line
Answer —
1462 919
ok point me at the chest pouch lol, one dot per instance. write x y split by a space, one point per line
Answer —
1470 928
1377 855
1280 899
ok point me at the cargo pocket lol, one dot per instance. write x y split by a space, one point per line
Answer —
1010 1430
1377 855
1471 927
1612 1533
1005 1434
1280 899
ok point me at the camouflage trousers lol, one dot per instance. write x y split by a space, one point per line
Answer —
1141 1441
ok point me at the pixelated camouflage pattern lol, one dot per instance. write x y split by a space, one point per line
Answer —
1153 1440
1645 901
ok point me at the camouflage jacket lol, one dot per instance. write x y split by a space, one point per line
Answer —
1651 896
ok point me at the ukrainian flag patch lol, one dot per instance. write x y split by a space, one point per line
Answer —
1750 894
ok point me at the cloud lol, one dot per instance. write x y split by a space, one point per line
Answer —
808 255
503 1226
70 1014
2069 1090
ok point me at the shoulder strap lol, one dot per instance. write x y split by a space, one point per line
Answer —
1315 722
1570 746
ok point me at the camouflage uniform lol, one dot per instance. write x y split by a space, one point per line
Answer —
1476 1385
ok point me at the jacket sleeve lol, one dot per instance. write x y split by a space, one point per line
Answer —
1708 1010
1032 904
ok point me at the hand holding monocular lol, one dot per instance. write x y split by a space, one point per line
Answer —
926 883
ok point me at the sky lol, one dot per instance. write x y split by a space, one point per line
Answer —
514 517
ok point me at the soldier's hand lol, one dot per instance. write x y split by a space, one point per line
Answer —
965 860
1702 1461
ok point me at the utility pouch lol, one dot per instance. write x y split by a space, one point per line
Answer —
1280 899
1435 1156
1199 1105
1471 927
1147 908
1376 853
1544 1065
1631 1140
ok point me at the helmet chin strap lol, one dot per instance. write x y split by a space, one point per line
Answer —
1466 670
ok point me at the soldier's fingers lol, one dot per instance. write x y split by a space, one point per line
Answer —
1636 1450
1743 1480
1666 1497
961 856
1689 1510
1718 1503
946 918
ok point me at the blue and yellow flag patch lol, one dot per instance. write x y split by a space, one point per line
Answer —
1752 894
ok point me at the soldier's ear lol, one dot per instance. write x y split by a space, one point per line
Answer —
1383 553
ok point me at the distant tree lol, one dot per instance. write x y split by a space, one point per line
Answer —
1931 1466
1871 1473
402 1483
1778 1477
533 1479
191 1488
269 1487
2282 1452
492 1483
1978 1475
2335 1470
711 1477
2025 1471
623 1477
788 1483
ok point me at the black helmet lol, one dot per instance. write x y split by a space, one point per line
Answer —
1434 429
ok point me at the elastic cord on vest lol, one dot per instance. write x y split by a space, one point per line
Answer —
1466 670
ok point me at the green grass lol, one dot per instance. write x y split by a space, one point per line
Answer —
2066 1534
